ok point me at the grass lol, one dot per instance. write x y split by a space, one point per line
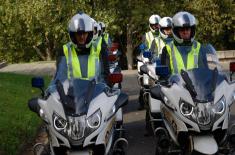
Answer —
18 124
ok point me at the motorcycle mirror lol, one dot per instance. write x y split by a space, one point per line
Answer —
112 58
37 82
115 78
162 71
147 54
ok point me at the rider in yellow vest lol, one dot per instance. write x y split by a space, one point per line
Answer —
164 38
80 58
105 35
154 31
183 52
147 39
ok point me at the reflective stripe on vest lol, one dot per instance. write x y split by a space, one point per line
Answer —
106 38
73 64
97 45
149 38
159 43
176 60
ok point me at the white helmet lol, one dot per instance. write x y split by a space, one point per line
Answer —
180 20
97 29
79 23
154 19
165 22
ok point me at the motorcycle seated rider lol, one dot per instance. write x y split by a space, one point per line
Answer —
105 35
184 52
147 39
164 37
79 58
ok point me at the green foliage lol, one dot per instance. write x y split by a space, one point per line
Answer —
33 29
18 123
215 18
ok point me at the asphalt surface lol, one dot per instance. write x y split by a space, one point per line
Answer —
134 120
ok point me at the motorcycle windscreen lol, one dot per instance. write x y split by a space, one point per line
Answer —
83 91
211 57
204 82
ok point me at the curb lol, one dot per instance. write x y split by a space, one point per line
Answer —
3 64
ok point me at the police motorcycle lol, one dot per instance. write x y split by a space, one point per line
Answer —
195 110
83 117
144 81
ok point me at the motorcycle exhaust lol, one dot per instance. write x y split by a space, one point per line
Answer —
162 138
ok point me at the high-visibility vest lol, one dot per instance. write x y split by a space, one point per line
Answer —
97 44
159 44
149 38
73 63
106 38
176 60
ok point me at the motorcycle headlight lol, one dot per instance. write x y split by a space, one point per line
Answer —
59 123
219 107
94 121
186 109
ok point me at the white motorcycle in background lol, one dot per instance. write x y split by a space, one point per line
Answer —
195 110
83 117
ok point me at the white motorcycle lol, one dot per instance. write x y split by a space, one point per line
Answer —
195 111
83 117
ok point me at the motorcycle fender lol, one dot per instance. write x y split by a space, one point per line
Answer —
205 144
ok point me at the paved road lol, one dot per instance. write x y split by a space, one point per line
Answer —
134 120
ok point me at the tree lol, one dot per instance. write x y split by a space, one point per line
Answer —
33 30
